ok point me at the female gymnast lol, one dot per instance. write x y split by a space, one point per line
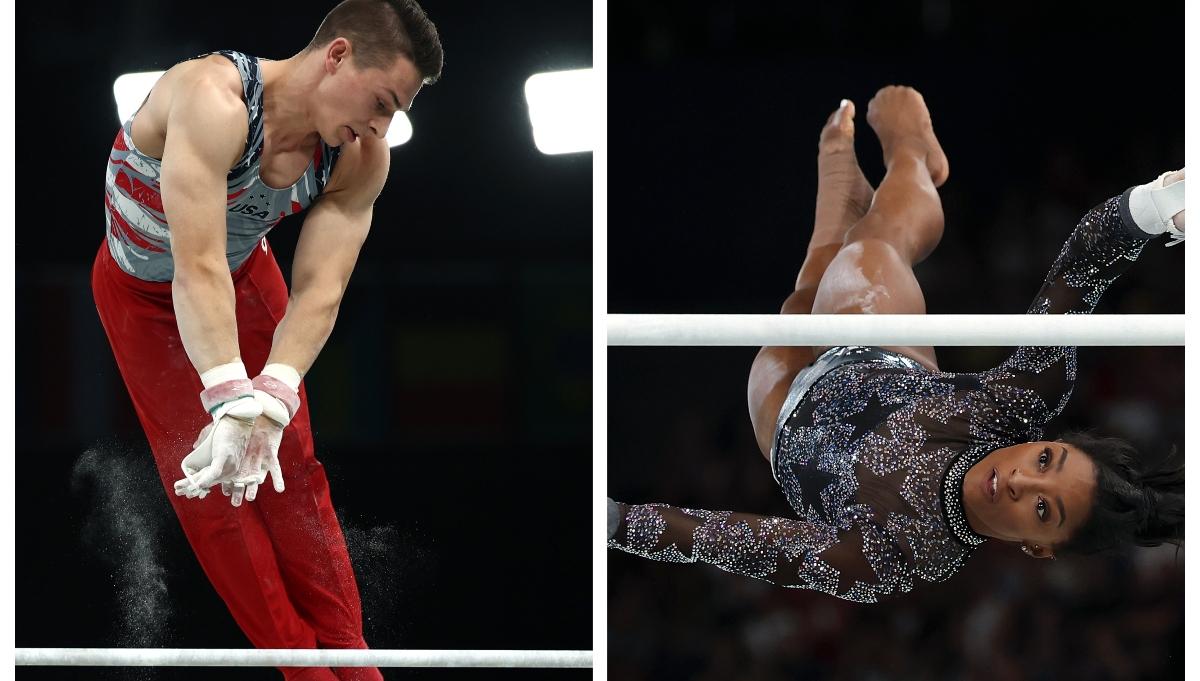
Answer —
896 469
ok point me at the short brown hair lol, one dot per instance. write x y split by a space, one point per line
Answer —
380 31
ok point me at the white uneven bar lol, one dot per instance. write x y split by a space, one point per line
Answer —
242 657
897 329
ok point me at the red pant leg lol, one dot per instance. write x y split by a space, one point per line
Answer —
233 545
310 548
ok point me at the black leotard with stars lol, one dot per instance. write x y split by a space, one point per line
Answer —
872 458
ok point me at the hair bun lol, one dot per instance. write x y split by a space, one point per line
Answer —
1134 504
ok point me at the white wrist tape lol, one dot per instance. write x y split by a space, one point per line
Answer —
223 372
279 395
1152 206
282 372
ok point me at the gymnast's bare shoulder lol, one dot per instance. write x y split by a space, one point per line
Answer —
205 92
361 170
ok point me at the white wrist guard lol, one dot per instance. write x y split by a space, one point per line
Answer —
223 372
226 393
279 399
285 373
1152 206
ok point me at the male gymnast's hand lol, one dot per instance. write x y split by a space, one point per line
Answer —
279 401
221 446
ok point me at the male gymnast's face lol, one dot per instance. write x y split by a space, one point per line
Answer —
354 102
1036 493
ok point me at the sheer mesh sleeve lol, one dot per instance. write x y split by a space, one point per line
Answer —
783 551
1104 244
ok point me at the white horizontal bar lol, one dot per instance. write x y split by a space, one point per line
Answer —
896 329
241 657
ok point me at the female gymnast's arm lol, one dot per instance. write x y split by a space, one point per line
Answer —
783 551
1104 244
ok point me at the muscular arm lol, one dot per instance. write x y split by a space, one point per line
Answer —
206 133
327 251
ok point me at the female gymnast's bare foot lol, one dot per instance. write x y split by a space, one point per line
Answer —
901 120
843 193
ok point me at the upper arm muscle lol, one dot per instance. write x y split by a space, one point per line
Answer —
337 226
205 135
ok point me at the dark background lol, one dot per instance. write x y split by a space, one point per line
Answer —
451 406
1045 110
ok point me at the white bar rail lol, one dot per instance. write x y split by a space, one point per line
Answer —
897 329
240 657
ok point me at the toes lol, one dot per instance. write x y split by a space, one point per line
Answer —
842 117
839 127
845 114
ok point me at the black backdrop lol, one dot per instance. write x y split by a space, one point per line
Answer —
1045 110
451 406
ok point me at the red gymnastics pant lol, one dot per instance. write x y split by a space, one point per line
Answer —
279 562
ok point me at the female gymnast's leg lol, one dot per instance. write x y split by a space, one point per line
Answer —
861 263
843 196
872 272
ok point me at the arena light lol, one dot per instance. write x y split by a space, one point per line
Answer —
130 90
400 131
561 110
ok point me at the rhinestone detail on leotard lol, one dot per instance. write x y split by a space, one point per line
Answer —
872 454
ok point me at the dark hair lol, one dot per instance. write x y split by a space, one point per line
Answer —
1134 503
382 30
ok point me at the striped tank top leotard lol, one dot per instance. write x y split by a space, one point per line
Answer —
139 237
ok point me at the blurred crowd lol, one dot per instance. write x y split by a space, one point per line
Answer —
995 620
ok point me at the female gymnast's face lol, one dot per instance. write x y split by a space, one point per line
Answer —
361 102
1036 493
